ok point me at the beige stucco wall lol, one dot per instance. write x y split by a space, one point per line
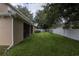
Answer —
18 31
3 8
5 31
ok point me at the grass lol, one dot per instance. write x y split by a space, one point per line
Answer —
2 50
45 44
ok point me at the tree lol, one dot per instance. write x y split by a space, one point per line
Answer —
52 11
54 14
48 16
70 13
41 19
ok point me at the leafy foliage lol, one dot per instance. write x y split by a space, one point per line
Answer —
55 12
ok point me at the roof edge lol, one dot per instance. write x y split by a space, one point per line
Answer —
20 14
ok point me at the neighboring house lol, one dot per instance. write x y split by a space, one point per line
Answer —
13 31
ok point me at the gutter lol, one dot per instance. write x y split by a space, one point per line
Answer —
20 14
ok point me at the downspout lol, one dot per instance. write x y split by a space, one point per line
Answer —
12 41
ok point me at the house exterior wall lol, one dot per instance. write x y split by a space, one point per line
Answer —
17 31
31 29
3 8
28 30
11 30
5 30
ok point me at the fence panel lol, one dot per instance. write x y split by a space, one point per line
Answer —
71 33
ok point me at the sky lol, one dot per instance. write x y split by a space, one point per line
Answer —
33 7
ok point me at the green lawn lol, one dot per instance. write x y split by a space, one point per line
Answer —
45 44
2 50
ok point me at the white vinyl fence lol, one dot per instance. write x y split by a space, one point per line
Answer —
70 33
